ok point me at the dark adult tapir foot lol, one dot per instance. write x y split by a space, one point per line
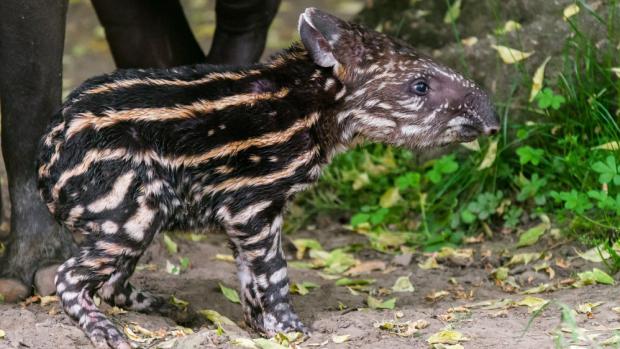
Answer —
36 247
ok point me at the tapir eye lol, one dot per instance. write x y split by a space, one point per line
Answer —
419 87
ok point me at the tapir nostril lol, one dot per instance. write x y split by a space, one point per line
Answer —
491 130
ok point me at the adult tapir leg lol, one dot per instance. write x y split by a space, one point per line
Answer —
147 33
241 30
31 46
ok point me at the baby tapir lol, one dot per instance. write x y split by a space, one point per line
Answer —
138 151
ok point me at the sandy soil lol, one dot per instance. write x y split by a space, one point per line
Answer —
43 326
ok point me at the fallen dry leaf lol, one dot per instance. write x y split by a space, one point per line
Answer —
374 303
429 263
435 296
524 258
340 339
537 80
243 342
491 154
562 263
474 239
510 55
496 304
448 346
216 318
403 329
613 340
263 343
446 317
45 300
420 324
225 257
460 309
2 334
447 337
403 284
461 256
366 267
614 145
533 303
510 26
469 42
115 311
586 308
596 254
539 289
30 300
570 11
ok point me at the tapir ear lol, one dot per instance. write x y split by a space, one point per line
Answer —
319 33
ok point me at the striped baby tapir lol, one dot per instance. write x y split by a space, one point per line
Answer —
135 152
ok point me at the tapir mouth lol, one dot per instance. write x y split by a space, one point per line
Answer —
469 132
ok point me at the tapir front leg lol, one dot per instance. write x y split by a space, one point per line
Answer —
255 233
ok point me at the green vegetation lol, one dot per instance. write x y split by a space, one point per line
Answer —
558 156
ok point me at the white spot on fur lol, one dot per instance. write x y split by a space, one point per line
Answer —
136 226
246 214
410 130
109 227
458 121
278 276
114 198
341 93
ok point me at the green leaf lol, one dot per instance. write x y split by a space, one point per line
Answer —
532 235
467 216
574 200
594 276
408 180
403 284
547 98
303 288
378 216
443 165
501 273
453 13
171 246
216 318
359 218
608 170
375 303
179 303
354 282
531 155
305 244
230 294
185 263
337 261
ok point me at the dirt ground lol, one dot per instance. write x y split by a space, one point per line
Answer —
331 310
